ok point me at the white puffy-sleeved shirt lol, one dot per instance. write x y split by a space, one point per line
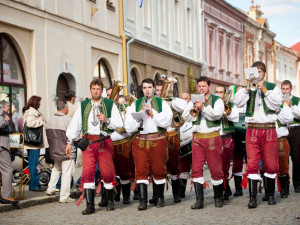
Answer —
74 129
285 116
233 117
209 113
150 124
178 105
273 99
115 136
296 111
186 133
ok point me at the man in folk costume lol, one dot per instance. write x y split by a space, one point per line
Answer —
207 143
150 146
231 115
294 133
239 151
185 150
177 105
261 138
285 116
121 143
96 118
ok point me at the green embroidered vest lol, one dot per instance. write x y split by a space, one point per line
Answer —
252 97
227 126
295 101
156 103
210 101
86 107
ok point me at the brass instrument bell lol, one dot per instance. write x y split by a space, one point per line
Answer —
117 87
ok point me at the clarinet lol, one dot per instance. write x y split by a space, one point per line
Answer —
141 120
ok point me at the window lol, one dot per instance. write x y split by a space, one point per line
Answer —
133 83
177 21
147 13
211 31
237 58
189 27
228 50
221 44
163 17
101 71
12 78
175 89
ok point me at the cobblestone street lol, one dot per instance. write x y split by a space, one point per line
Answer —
235 211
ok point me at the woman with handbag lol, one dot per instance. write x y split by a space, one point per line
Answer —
6 168
33 128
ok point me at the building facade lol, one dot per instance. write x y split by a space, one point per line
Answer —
258 42
223 42
168 40
286 66
50 46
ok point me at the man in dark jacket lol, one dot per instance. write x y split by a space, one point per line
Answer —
56 134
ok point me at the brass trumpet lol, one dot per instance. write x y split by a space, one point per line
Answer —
194 112
253 82
227 107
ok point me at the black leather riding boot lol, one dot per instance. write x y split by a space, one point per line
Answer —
199 196
176 190
160 195
218 195
183 187
252 193
90 204
103 202
143 196
110 200
126 193
238 188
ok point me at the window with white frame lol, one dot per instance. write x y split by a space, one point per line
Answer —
189 27
177 21
147 13
163 17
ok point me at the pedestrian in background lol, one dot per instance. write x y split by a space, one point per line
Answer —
63 164
33 118
6 168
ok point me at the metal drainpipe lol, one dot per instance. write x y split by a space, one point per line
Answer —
242 56
127 49
204 65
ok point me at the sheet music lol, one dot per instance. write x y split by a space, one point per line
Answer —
199 98
251 73
137 115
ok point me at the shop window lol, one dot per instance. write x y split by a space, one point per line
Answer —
12 79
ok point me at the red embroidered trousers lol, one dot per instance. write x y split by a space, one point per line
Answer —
122 159
210 150
228 146
173 162
150 153
261 143
102 154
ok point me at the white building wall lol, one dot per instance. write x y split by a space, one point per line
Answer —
171 25
61 36
286 69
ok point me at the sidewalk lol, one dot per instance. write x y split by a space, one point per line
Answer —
35 198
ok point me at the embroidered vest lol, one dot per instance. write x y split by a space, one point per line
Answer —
252 97
295 101
210 101
227 126
156 103
86 107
